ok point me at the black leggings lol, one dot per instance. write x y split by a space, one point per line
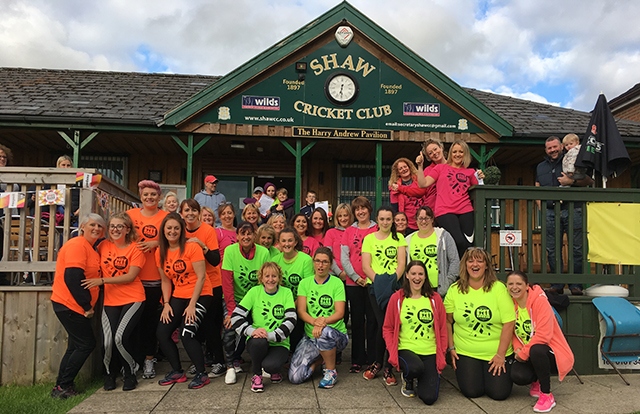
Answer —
381 355
459 226
541 363
148 323
211 332
187 333
263 355
475 380
80 344
423 368
363 325
118 324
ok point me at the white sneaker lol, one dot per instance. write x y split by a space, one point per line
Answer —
149 369
265 374
230 377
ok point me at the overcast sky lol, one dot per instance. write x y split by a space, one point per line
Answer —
563 52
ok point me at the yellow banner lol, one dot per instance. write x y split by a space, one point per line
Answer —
613 231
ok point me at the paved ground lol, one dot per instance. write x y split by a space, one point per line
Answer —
352 394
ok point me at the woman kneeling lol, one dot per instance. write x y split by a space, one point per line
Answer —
415 332
266 316
320 304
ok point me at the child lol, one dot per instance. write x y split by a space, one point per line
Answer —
281 207
571 144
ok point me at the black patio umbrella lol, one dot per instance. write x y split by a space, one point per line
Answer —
602 147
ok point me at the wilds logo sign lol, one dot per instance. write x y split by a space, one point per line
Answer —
263 103
420 109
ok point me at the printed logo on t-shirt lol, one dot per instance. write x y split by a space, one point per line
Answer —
246 278
306 249
387 257
425 315
357 244
478 318
294 279
253 276
149 231
420 322
121 262
458 181
523 329
430 250
179 266
319 305
278 312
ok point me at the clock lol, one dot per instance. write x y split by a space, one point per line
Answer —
341 88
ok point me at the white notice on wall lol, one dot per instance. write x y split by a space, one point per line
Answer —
510 238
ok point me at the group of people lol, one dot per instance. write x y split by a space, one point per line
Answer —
284 288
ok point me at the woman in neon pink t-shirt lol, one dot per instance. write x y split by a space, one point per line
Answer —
453 180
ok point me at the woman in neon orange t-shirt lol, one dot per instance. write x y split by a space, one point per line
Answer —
73 305
120 262
205 237
186 295
146 221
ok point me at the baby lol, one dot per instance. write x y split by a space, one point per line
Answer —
571 144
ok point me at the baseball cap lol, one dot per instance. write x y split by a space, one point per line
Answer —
210 179
258 190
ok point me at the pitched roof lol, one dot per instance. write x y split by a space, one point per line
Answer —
625 99
104 97
49 95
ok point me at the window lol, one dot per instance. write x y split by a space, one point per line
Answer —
114 168
360 180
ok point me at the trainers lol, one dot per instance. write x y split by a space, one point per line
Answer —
149 370
256 384
276 378
192 370
230 377
200 380
130 383
389 378
545 403
407 388
237 367
265 374
173 377
329 380
109 383
217 370
534 389
63 393
371 372
355 368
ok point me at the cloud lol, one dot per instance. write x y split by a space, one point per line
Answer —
563 51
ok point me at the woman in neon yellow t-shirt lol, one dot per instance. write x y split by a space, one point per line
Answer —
480 343
266 317
383 261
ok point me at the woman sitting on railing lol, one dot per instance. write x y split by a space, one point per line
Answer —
147 222
73 305
120 262
538 342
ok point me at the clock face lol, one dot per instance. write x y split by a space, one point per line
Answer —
341 89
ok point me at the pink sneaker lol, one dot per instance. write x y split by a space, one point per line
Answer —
545 403
534 389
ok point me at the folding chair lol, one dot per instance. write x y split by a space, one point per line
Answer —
559 319
621 342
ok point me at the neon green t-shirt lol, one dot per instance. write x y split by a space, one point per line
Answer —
321 300
426 250
384 253
267 310
478 318
245 272
273 251
416 326
523 325
293 272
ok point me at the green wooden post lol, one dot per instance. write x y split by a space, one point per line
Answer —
298 152
190 149
76 144
378 174
484 156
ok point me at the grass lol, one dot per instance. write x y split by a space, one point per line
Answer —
35 399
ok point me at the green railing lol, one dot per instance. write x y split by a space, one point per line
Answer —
517 208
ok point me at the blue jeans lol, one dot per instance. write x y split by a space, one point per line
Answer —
577 242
